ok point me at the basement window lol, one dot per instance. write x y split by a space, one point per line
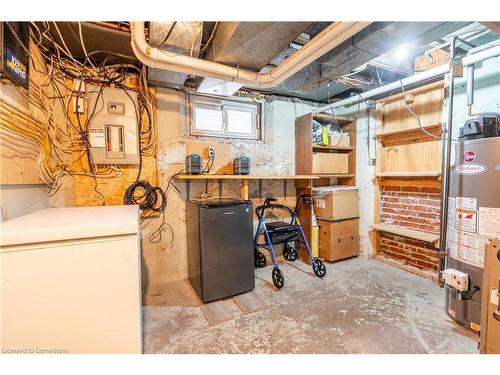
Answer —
214 117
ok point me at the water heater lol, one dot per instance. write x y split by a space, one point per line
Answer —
473 216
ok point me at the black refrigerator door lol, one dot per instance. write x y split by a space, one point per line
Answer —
226 242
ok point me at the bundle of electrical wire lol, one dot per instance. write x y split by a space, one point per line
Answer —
146 196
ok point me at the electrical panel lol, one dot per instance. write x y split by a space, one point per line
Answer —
456 279
14 38
113 126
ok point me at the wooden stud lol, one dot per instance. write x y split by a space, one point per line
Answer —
244 189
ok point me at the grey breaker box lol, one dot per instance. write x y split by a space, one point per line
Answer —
113 125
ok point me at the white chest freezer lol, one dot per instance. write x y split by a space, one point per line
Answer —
71 281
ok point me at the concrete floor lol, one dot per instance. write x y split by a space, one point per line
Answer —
361 306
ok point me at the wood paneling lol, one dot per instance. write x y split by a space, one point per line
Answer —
404 147
410 157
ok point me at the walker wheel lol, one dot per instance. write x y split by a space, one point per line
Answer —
289 253
259 259
319 268
278 278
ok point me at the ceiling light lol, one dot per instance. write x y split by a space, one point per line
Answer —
402 52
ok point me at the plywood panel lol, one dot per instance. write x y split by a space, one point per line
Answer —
427 103
91 191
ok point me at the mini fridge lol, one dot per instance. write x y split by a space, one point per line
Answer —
220 247
71 281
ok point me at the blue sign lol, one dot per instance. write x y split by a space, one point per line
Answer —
16 67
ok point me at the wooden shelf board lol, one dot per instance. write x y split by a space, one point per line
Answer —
406 232
241 177
409 174
427 127
338 175
342 120
327 148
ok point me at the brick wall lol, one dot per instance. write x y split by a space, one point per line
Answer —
418 253
410 207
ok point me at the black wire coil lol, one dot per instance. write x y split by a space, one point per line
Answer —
147 196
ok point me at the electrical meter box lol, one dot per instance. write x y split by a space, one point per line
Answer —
456 279
14 59
113 126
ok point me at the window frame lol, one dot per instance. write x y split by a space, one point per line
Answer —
225 105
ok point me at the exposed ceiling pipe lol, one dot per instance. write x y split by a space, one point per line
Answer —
416 79
325 41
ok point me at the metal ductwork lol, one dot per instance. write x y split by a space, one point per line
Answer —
183 38
252 45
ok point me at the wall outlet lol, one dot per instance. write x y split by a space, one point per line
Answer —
211 152
78 104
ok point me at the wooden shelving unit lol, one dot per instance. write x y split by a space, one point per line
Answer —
407 155
304 149
403 149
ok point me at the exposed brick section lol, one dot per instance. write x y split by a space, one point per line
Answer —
418 253
411 207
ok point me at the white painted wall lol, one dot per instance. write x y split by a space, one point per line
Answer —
273 155
364 174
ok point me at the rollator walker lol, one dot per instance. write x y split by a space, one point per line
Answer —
281 232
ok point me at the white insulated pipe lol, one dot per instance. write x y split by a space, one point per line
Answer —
415 79
329 38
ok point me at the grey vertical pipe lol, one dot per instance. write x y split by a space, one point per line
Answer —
470 85
445 169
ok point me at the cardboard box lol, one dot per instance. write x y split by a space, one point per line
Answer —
336 203
338 239
339 139
325 162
